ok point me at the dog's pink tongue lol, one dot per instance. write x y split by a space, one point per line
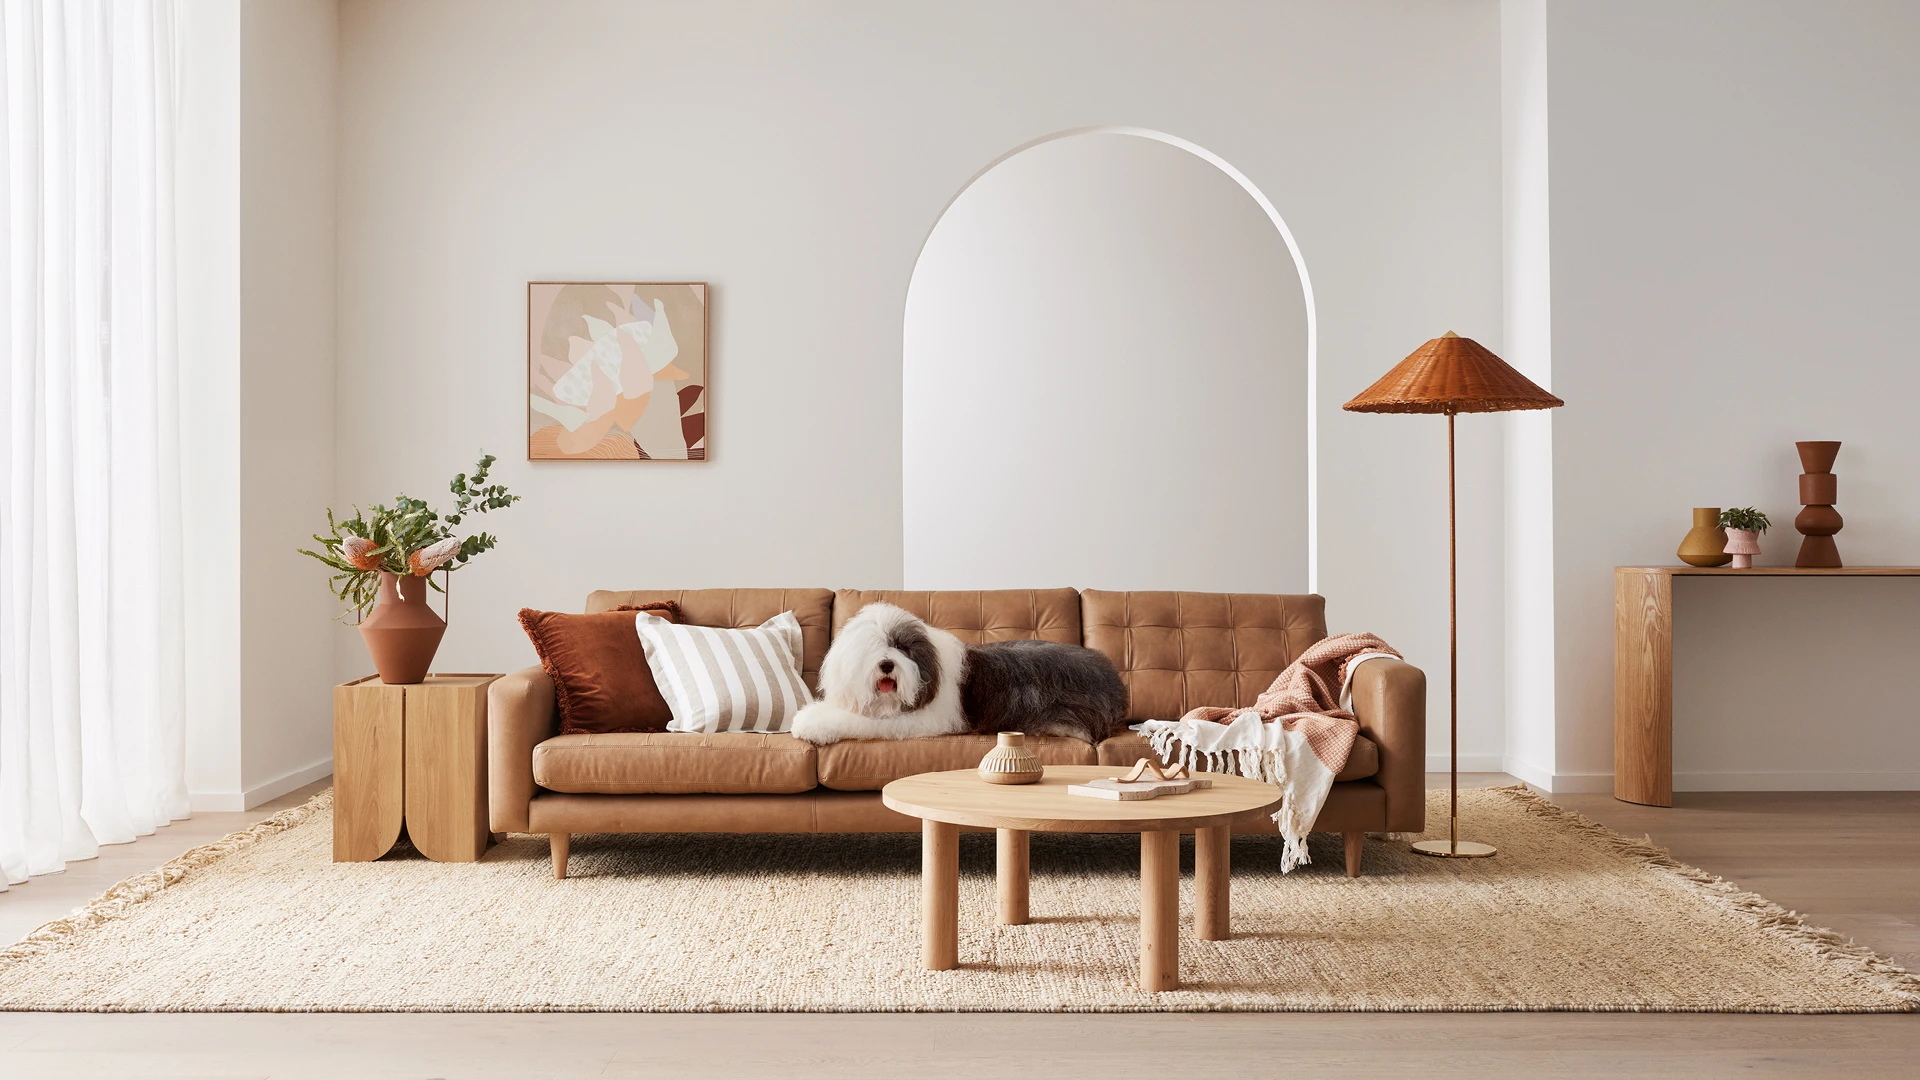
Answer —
885 686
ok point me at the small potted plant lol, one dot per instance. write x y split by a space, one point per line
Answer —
384 557
1744 525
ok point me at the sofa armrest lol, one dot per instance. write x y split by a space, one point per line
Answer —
1390 701
520 716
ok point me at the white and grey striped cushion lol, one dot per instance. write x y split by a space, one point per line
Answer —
726 680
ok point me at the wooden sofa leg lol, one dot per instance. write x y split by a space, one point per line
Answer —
559 841
1355 840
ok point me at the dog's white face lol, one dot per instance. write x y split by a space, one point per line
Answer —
875 667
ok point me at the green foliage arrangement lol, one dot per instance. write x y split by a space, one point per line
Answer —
408 537
1744 517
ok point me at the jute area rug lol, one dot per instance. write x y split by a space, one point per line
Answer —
1567 916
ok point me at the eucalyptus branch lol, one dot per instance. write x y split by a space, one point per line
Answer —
408 537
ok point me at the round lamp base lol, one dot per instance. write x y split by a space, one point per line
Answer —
1454 849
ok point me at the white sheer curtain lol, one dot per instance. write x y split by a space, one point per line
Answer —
92 740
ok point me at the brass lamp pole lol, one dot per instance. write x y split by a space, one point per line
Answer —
1452 375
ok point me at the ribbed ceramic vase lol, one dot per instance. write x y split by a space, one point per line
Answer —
1706 543
1743 545
402 633
1011 762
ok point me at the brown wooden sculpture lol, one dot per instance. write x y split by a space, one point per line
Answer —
1819 490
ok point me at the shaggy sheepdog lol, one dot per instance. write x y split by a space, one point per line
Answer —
891 676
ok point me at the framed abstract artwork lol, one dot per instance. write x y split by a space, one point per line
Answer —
617 371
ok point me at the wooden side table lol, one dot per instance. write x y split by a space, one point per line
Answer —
415 754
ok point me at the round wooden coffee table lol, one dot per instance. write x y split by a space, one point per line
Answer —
944 801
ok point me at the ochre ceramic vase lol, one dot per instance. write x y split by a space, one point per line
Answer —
402 633
1011 762
1743 545
1706 543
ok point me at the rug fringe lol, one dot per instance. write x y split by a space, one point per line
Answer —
120 901
1871 969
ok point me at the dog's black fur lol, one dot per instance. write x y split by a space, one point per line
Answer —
1043 688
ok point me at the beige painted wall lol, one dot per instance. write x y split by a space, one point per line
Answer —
1733 228
288 65
796 157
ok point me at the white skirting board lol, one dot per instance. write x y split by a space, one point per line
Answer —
1796 781
229 801
1561 783
1602 783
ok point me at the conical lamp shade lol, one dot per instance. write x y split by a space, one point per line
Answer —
1452 374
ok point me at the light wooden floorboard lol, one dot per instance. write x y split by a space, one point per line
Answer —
1850 861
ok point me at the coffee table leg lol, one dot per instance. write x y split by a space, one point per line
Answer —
1160 910
1212 860
939 895
1010 873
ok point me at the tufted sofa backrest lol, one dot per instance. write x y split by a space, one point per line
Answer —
1178 650
977 616
738 609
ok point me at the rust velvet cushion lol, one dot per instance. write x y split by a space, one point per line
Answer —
601 682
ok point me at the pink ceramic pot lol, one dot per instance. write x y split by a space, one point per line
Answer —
1743 545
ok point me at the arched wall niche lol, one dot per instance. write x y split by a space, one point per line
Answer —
1108 367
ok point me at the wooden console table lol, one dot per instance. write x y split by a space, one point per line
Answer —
413 753
1643 667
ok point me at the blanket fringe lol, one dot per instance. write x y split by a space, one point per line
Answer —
121 900
1870 969
1264 765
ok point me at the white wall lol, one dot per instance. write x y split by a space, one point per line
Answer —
1094 318
796 156
1709 256
1733 228
207 187
1528 549
288 61
256 205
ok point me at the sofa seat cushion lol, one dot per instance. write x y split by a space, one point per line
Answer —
870 764
675 763
1128 747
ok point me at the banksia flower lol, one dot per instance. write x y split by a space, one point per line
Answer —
361 552
428 559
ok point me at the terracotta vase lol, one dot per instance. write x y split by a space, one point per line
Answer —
1743 545
1819 490
402 633
1706 543
1011 762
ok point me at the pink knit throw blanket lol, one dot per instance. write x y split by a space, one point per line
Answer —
1296 735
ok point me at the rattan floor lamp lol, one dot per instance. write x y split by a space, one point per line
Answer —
1452 375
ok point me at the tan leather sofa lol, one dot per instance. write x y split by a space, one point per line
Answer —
1174 650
